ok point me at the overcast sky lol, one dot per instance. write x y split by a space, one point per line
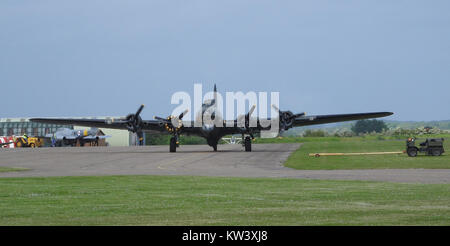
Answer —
104 57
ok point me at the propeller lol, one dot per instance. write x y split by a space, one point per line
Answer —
247 116
287 117
134 124
173 124
247 121
183 114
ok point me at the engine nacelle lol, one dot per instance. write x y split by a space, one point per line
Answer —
286 119
133 122
174 124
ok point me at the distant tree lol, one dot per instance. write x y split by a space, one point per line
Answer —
366 126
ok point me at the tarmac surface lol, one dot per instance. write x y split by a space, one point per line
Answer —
265 160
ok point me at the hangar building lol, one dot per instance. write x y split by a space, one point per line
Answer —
20 126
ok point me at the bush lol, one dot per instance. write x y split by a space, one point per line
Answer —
344 134
164 139
314 133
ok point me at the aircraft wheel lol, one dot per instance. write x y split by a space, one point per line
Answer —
32 145
248 144
173 144
412 152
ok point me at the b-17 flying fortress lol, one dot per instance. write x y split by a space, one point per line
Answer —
174 125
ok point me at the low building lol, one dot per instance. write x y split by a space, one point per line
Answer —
22 125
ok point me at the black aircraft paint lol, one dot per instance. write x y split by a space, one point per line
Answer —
135 124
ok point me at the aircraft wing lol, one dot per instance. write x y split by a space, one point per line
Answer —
95 137
66 137
80 122
332 118
150 125
289 120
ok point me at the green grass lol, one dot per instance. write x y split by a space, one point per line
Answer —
300 159
12 169
181 200
290 139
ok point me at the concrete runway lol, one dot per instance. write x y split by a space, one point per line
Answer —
230 161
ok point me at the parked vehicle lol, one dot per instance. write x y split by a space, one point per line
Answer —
432 146
25 141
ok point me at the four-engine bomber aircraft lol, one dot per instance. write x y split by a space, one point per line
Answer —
210 132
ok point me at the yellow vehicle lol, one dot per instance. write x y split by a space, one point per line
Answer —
32 142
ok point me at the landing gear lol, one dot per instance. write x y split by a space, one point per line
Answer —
213 143
173 144
248 144
140 136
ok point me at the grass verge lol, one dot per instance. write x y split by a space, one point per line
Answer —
181 200
300 158
12 169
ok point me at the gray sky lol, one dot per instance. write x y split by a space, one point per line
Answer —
104 57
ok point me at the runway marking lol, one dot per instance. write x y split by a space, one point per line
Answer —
171 162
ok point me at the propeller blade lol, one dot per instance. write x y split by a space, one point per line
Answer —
251 110
139 110
298 115
183 114
247 121
293 116
275 107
